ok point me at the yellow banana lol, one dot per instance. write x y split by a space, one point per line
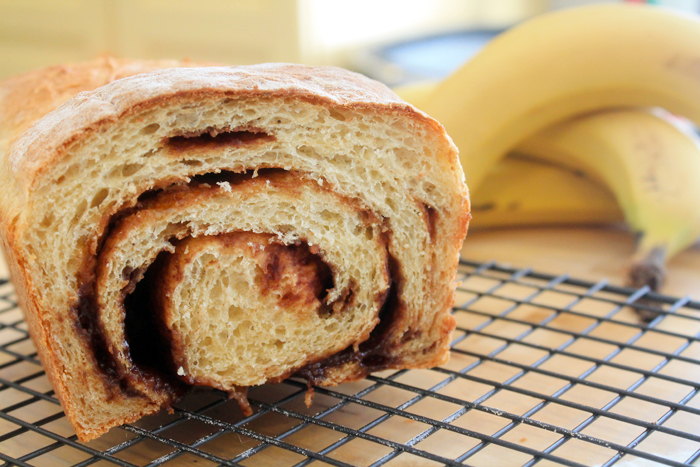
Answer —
416 93
651 165
563 64
520 191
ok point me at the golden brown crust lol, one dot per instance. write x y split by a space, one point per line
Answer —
31 147
30 96
39 147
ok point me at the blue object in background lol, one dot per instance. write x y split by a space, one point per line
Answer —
429 58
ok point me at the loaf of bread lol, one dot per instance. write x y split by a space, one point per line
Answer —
169 226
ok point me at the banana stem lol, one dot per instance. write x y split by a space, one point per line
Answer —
649 269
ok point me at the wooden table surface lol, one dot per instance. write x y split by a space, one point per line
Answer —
591 253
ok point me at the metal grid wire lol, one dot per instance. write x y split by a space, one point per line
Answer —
545 370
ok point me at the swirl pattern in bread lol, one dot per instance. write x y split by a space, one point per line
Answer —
224 226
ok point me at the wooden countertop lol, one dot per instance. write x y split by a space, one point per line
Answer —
583 252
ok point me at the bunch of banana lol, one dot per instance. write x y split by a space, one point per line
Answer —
652 167
575 88
521 190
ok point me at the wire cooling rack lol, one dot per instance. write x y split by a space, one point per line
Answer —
544 371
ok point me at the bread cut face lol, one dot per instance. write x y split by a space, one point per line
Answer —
225 226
